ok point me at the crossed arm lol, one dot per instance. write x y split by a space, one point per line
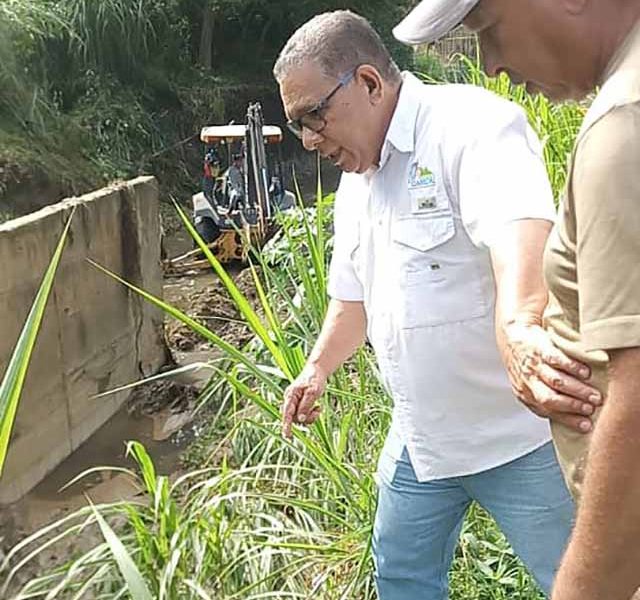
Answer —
547 381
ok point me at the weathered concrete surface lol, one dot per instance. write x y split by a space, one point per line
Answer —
96 334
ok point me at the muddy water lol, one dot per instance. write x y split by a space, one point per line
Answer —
106 447
164 434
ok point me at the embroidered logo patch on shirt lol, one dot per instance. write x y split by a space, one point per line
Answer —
422 189
421 176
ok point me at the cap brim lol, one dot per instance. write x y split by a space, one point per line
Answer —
432 19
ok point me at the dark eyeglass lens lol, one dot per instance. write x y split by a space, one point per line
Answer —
312 121
294 127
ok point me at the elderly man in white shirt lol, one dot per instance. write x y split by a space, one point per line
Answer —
440 222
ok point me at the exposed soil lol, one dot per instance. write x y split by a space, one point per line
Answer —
155 396
205 299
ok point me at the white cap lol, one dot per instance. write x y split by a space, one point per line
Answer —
432 19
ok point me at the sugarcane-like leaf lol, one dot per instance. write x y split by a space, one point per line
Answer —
132 576
242 304
13 380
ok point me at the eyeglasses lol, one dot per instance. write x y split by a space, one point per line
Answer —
313 119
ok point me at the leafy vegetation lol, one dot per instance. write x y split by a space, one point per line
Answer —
95 91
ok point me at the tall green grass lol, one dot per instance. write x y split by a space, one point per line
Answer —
556 124
273 515
24 100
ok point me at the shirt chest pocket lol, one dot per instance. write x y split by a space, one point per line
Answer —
440 275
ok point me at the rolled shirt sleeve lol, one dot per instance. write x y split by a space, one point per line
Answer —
502 175
606 188
343 283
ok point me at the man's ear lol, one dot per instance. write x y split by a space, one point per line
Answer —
369 77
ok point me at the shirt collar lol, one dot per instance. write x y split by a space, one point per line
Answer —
620 83
626 52
401 132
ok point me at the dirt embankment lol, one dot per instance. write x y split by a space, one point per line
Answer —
205 299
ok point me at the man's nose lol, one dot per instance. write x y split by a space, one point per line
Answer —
310 139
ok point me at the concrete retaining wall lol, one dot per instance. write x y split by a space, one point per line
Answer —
96 335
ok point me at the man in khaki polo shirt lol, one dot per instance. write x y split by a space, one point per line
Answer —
565 49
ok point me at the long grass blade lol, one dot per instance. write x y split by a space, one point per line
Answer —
229 349
239 299
132 576
14 377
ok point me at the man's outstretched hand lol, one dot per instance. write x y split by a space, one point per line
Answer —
300 399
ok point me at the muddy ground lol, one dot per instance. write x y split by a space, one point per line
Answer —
205 298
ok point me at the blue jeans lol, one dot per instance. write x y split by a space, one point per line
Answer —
417 524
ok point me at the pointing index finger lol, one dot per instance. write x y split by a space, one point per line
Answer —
289 410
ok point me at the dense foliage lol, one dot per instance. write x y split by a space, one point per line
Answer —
92 91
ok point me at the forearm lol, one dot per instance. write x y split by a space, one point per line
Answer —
603 556
516 312
343 332
517 261
521 295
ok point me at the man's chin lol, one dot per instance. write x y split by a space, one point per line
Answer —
578 95
361 169
535 88
557 93
351 168
349 165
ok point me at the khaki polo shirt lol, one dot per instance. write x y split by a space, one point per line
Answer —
592 257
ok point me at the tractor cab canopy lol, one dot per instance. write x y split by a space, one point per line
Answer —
230 133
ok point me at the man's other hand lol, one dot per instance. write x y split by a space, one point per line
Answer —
300 398
546 380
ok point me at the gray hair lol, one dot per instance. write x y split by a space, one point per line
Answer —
337 42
